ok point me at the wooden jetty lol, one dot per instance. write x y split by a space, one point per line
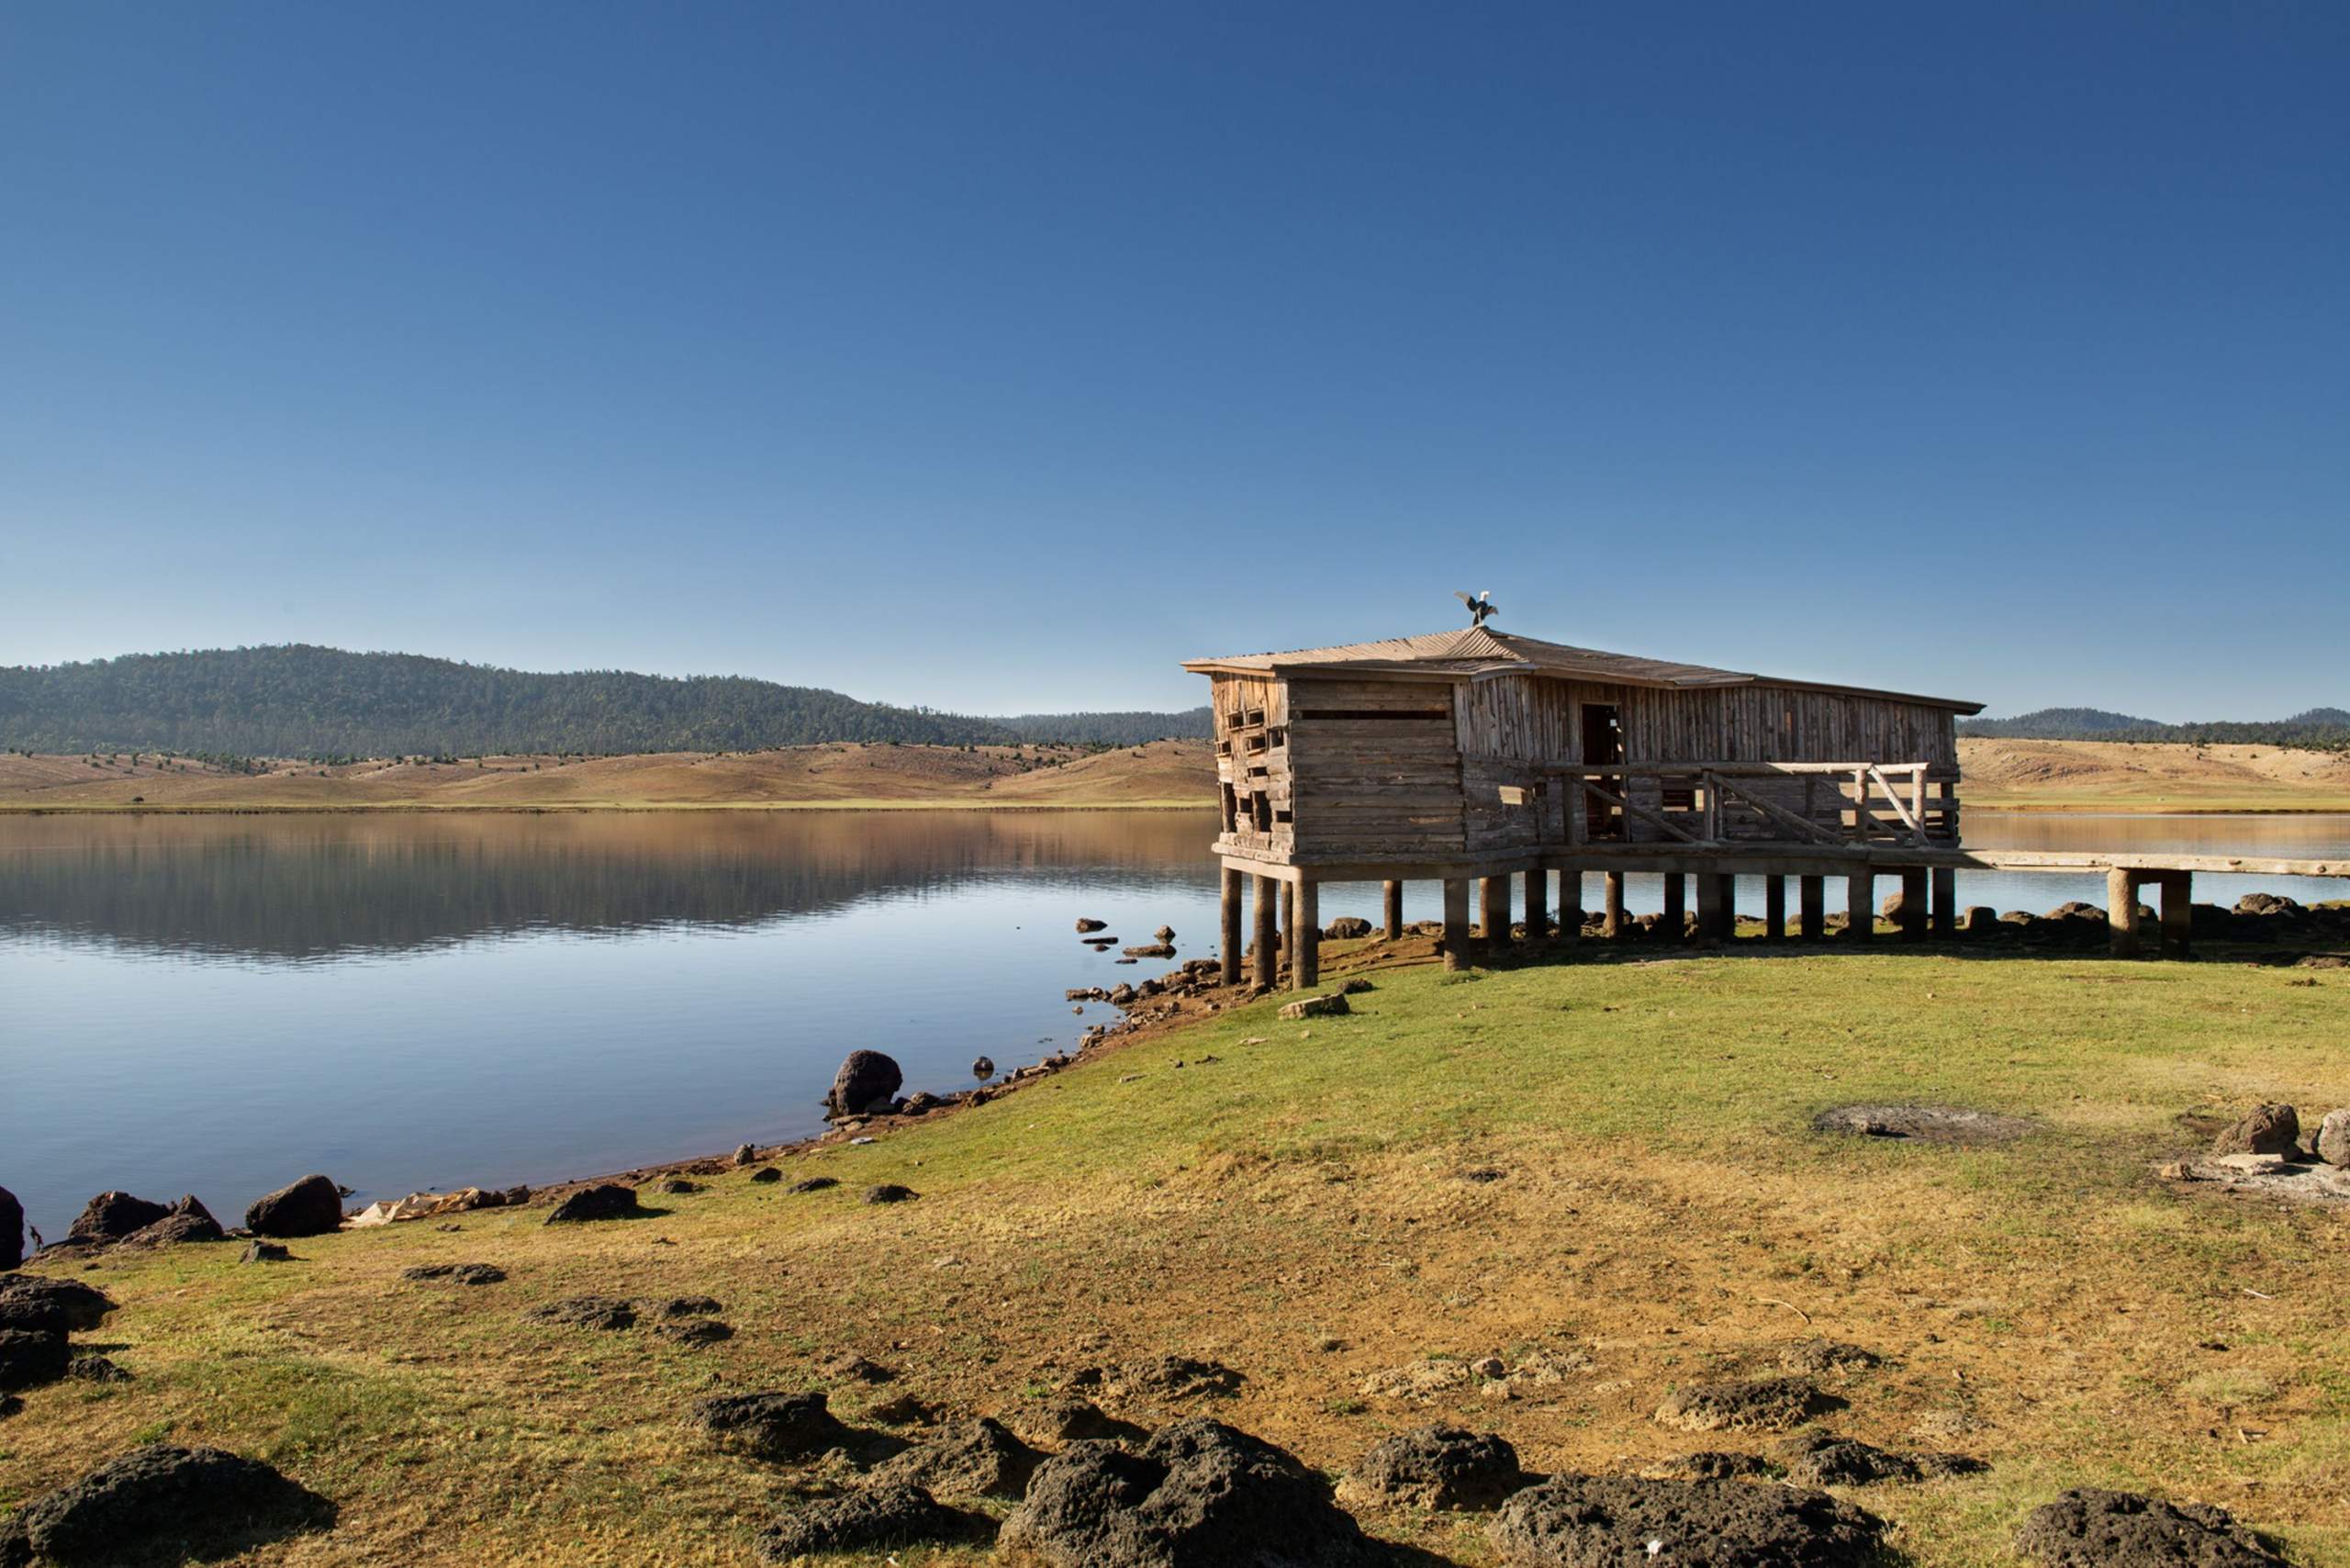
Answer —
1482 756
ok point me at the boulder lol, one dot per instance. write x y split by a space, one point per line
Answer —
1600 1521
1355 986
2333 1138
1437 1467
607 1313
971 1459
689 1306
88 1366
267 1252
982 1067
768 1174
1346 928
163 1501
31 1357
812 1183
1085 926
891 1193
12 1231
187 1220
1328 1006
2267 904
1165 934
312 1207
110 1216
457 1273
677 1187
768 1425
2271 1129
867 1081
605 1200
873 1517
921 1103
1822 1459
36 1301
1749 1404
2087 1528
745 1155
1198 1493
1981 920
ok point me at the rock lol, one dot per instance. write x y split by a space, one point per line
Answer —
1355 986
36 1301
768 1425
1934 1124
605 1200
1198 1494
1178 1377
677 1187
1822 1459
2265 903
689 1306
110 1216
163 1500
921 1103
813 1183
267 1252
971 1459
2271 1129
187 1220
745 1155
1165 934
904 1410
1072 1417
982 1067
457 1273
1437 1467
31 1357
1316 1007
695 1331
1750 1405
12 1231
607 1313
1981 920
2333 1138
1085 926
891 1193
1602 1521
847 1366
867 1083
1346 928
767 1173
88 1366
2087 1528
879 1515
1151 950
312 1207
1707 1464
1817 1357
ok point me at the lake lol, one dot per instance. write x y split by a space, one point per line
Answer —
220 1005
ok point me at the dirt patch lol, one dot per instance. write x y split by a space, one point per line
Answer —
1932 1123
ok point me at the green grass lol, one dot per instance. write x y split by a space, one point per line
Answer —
1664 1211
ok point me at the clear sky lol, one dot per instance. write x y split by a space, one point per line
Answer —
998 356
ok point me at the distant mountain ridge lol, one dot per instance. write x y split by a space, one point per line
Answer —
302 701
2323 729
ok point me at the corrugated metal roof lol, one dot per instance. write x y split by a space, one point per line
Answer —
1472 651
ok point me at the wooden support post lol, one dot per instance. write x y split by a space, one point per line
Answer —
1392 894
1775 909
1493 899
1306 936
1570 904
1456 922
2178 913
2122 912
1860 899
1676 907
1538 905
1913 903
1288 919
1945 901
1612 921
1811 922
1713 923
1231 927
1267 900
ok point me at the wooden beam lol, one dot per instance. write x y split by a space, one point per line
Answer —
1456 922
1814 832
2122 912
1391 895
1306 936
1646 815
1229 932
1265 898
1812 895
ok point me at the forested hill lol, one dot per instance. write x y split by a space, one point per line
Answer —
2321 728
299 701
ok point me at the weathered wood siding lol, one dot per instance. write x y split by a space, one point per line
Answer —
1253 769
1378 771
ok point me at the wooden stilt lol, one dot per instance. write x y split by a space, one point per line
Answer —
1913 903
1267 902
1493 899
1392 895
1288 917
1538 905
1570 904
1775 909
2178 913
1676 907
1612 921
1456 922
1306 936
1860 898
1812 920
1713 923
1230 930
2122 912
1945 901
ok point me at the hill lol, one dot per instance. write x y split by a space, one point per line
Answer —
2318 728
299 700
2037 775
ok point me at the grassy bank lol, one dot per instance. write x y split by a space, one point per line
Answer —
1255 1191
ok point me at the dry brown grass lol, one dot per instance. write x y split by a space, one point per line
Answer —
2106 775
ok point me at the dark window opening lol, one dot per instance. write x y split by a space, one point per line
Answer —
1260 811
1231 807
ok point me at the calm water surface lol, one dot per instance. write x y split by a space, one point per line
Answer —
218 1005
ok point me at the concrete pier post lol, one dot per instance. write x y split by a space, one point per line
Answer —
1288 917
1266 900
1229 931
1538 905
1676 907
1945 901
2178 913
1913 903
2122 912
1456 922
1713 913
1812 920
1493 898
1775 909
1860 898
1306 936
1570 904
1612 919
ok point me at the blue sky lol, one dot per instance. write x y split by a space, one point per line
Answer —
998 356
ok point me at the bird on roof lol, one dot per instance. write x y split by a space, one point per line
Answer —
1479 608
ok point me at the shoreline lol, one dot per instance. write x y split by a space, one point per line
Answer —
582 808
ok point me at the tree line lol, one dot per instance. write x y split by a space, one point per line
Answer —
2318 728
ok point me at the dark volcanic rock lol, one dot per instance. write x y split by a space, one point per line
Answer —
1346 928
867 1081
1178 1377
1199 1495
814 1183
606 1200
267 1252
61 1307
847 1366
1437 1467
110 1216
1822 1459
1709 1464
1605 1521
695 1330
1817 1357
971 1459
745 1155
765 1174
2090 1528
690 1306
88 1366
31 1357
2268 904
165 1502
677 1187
457 1273
768 1425
606 1312
891 1193
187 1220
12 1231
2271 1129
1752 1405
879 1515
312 1207
1072 1417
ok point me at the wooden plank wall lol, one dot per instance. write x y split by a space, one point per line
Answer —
1253 762
1377 766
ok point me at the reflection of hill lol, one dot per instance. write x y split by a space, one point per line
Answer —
284 888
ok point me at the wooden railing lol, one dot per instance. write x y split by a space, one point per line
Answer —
1886 803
